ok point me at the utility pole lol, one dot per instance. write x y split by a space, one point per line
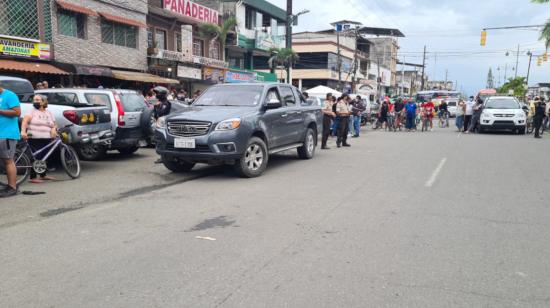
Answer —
505 72
289 21
517 61
446 74
354 61
378 78
529 67
423 68
339 62
403 77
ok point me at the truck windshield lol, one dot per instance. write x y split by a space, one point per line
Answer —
231 96
502 104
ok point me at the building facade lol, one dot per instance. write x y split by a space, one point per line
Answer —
26 36
318 60
384 53
261 28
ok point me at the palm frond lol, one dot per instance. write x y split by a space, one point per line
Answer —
228 25
209 31
545 34
540 1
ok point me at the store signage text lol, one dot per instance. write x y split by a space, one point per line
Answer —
11 47
192 10
236 77
209 62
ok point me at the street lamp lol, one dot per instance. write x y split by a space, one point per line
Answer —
291 20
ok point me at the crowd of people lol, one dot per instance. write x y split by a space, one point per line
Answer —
341 118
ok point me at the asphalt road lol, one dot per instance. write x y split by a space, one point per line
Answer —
432 219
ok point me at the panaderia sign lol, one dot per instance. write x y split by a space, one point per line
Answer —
27 49
192 10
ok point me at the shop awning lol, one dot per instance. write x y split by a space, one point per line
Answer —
142 77
76 8
92 70
122 20
33 67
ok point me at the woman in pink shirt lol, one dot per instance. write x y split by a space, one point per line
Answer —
39 128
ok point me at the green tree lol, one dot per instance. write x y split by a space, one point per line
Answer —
282 58
215 32
545 33
515 84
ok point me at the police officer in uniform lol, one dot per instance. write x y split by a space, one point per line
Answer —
163 107
540 110
328 115
343 112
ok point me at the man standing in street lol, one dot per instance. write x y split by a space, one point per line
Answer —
357 110
328 115
343 113
410 110
478 108
538 116
9 135
469 111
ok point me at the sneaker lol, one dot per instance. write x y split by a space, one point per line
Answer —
346 145
8 192
325 148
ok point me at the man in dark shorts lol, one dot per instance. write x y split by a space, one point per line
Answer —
9 135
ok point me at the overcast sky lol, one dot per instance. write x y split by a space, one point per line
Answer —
449 29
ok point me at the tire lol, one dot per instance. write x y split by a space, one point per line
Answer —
128 150
254 159
307 151
176 165
521 131
70 162
91 152
22 164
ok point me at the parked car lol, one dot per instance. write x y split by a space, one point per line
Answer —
451 107
89 124
239 124
130 117
502 113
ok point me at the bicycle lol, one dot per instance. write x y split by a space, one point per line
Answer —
443 119
391 120
25 159
425 123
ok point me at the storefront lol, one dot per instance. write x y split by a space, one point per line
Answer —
28 59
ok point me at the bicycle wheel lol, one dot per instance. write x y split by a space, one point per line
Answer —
70 162
22 164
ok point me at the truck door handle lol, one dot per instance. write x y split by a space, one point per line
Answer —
298 112
284 115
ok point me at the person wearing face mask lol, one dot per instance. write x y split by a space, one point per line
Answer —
39 129
163 107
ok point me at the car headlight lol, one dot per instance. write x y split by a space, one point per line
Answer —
229 124
161 122
520 114
486 115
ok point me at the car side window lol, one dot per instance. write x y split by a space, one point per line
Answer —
65 99
272 94
301 98
98 99
288 96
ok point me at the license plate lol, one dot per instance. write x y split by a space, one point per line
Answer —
184 143
143 143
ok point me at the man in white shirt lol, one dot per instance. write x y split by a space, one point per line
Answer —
469 112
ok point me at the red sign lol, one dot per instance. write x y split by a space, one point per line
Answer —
191 9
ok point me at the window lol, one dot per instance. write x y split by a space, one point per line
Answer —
266 21
118 34
177 39
71 24
288 96
250 18
150 41
198 47
65 99
98 99
215 50
133 102
160 38
271 95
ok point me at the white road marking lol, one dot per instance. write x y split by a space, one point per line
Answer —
436 172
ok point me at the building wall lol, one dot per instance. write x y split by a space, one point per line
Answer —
92 51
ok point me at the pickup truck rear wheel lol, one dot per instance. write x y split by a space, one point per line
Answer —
307 151
176 165
254 160
91 152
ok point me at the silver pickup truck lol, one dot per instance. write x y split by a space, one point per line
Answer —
89 124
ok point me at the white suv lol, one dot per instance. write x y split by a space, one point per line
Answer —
502 113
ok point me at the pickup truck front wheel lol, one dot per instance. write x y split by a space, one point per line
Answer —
254 160
176 165
91 152
307 150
